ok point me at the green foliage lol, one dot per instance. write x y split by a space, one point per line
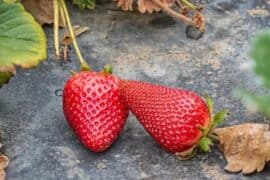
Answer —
205 144
255 102
260 54
23 42
219 117
85 4
210 103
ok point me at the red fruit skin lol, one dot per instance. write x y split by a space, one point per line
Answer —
171 116
93 109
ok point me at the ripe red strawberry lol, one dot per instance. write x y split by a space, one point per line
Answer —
94 109
179 120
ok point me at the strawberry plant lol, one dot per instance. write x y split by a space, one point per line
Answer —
27 49
96 104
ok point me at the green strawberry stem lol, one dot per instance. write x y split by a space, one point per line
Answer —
61 5
189 4
206 140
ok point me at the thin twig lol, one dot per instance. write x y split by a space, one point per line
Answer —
84 64
173 13
56 27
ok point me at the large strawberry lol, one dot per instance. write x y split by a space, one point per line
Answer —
94 109
179 120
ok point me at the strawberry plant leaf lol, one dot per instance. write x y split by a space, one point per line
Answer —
85 4
205 144
23 42
4 77
261 57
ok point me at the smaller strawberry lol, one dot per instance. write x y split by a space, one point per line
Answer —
179 120
94 109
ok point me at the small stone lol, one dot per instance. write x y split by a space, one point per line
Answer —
193 33
102 165
143 175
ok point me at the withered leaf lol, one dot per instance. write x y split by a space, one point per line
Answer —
4 161
2 174
67 40
150 6
41 10
246 147
126 5
78 30
147 6
143 5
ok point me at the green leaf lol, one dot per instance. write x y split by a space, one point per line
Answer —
4 77
85 4
23 42
205 144
209 102
255 103
260 53
219 117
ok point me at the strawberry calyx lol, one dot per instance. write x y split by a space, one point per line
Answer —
206 141
108 69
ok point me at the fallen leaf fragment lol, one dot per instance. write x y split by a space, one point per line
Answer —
41 10
67 40
78 30
246 147
126 5
150 6
147 6
4 161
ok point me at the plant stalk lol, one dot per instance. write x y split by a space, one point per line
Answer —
189 4
84 64
174 13
56 27
62 15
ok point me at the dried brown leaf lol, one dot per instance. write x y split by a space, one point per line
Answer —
42 10
126 5
246 147
78 30
67 40
2 174
4 161
150 6
147 6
